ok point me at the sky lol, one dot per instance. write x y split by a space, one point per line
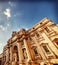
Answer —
15 15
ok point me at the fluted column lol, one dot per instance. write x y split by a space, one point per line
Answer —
20 53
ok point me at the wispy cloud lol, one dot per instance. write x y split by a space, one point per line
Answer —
7 13
11 4
8 24
3 28
4 19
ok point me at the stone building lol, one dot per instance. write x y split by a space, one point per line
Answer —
36 46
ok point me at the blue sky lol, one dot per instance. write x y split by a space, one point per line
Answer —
17 15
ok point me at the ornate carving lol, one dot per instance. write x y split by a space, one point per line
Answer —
14 33
9 41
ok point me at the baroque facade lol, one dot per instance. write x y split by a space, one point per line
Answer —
36 46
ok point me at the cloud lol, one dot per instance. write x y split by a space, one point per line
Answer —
8 24
7 13
3 28
11 4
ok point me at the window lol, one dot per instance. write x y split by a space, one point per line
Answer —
40 22
46 49
35 51
37 34
47 29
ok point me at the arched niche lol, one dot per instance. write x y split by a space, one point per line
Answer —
24 53
15 54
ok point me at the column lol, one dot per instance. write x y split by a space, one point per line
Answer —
20 53
7 55
29 52
39 48
10 55
51 45
13 57
26 44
